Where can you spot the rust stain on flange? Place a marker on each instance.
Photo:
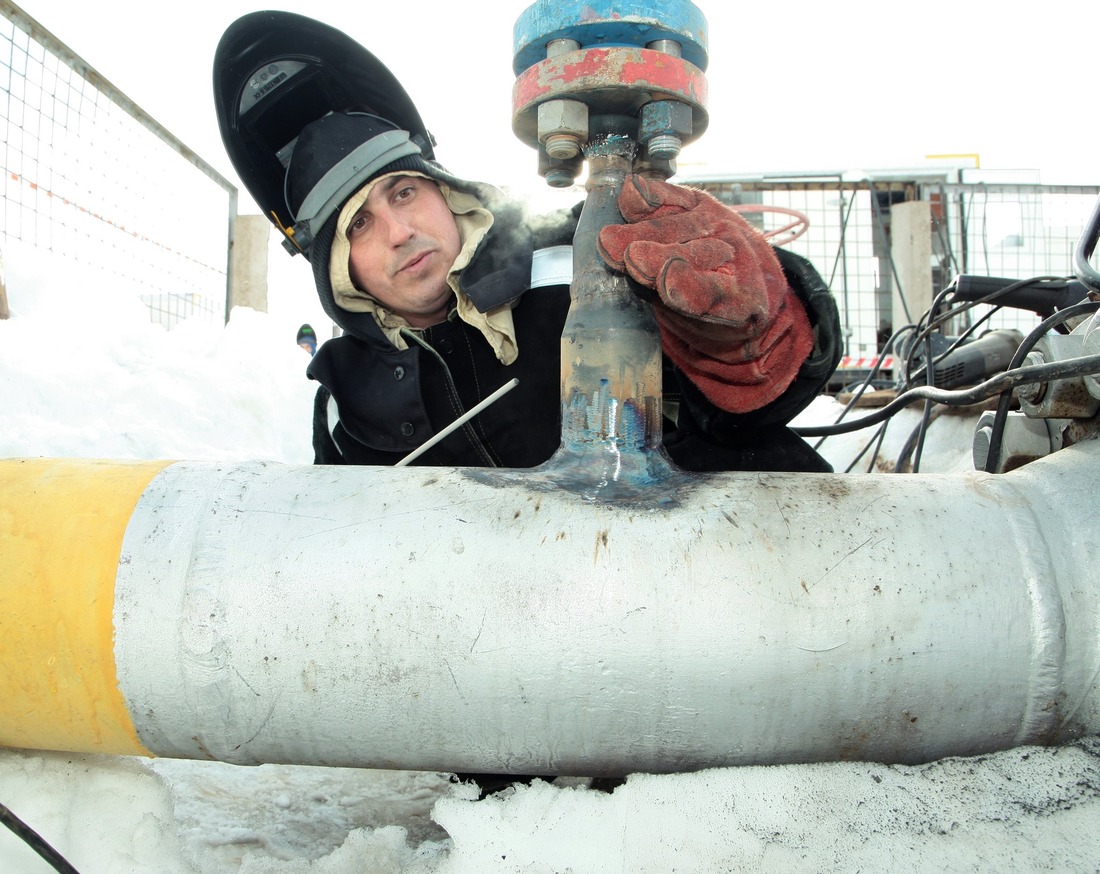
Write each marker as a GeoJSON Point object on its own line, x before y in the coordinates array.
{"type": "Point", "coordinates": [613, 79]}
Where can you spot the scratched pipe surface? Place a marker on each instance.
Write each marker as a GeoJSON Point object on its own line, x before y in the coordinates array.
{"type": "Point", "coordinates": [475, 621]}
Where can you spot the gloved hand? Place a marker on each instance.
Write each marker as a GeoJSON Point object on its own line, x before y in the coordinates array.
{"type": "Point", "coordinates": [727, 314]}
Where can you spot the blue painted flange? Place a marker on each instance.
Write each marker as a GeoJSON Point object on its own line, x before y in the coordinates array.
{"type": "Point", "coordinates": [595, 23]}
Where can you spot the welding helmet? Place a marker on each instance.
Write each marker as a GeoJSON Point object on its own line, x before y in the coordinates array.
{"type": "Point", "coordinates": [275, 73]}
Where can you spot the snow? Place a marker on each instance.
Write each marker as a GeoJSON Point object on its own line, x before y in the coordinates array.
{"type": "Point", "coordinates": [85, 375]}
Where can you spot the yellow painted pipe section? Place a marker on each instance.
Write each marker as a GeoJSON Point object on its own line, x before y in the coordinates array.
{"type": "Point", "coordinates": [61, 530]}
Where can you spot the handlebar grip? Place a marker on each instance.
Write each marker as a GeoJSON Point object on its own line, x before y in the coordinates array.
{"type": "Point", "coordinates": [1043, 297]}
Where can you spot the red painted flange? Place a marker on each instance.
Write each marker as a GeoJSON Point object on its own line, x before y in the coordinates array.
{"type": "Point", "coordinates": [615, 80]}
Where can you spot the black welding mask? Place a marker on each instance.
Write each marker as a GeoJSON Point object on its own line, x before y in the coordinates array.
{"type": "Point", "coordinates": [275, 73]}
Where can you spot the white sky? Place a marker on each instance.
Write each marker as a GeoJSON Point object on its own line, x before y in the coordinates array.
{"type": "Point", "coordinates": [794, 86]}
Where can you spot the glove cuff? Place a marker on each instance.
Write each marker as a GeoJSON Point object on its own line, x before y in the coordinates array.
{"type": "Point", "coordinates": [740, 377]}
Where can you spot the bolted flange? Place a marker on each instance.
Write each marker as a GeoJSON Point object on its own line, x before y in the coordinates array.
{"type": "Point", "coordinates": [611, 81]}
{"type": "Point", "coordinates": [575, 60]}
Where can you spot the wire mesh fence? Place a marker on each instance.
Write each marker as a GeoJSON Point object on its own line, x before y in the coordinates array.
{"type": "Point", "coordinates": [89, 178]}
{"type": "Point", "coordinates": [1017, 231]}
{"type": "Point", "coordinates": [94, 187]}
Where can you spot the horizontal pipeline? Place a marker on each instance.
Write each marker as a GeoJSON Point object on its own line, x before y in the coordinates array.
{"type": "Point", "coordinates": [475, 620]}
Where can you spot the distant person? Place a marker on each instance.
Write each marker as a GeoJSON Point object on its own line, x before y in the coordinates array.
{"type": "Point", "coordinates": [307, 339]}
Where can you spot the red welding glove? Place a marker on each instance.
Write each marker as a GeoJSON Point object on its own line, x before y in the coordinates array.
{"type": "Point", "coordinates": [728, 318]}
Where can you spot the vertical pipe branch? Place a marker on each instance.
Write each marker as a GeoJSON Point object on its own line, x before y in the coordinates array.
{"type": "Point", "coordinates": [610, 353]}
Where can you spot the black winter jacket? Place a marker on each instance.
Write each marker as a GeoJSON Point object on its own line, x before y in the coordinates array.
{"type": "Point", "coordinates": [376, 404]}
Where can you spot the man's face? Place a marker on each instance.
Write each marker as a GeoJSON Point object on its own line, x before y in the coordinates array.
{"type": "Point", "coordinates": [403, 242]}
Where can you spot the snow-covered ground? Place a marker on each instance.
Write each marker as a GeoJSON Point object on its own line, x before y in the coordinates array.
{"type": "Point", "coordinates": [82, 375]}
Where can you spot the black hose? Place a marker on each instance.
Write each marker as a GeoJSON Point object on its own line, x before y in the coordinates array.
{"type": "Point", "coordinates": [1085, 247]}
{"type": "Point", "coordinates": [1009, 379]}
{"type": "Point", "coordinates": [996, 436]}
{"type": "Point", "coordinates": [35, 841]}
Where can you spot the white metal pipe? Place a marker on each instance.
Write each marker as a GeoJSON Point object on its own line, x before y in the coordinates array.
{"type": "Point", "coordinates": [467, 620]}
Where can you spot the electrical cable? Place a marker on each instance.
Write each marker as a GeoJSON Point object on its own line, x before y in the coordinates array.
{"type": "Point", "coordinates": [929, 375]}
{"type": "Point", "coordinates": [867, 380]}
{"type": "Point", "coordinates": [36, 842]}
{"type": "Point", "coordinates": [840, 247]}
{"type": "Point", "coordinates": [840, 252]}
{"type": "Point", "coordinates": [878, 446]}
{"type": "Point", "coordinates": [956, 309]}
{"type": "Point", "coordinates": [925, 421]}
{"type": "Point", "coordinates": [966, 333]}
{"type": "Point", "coordinates": [929, 379]}
{"type": "Point", "coordinates": [935, 321]}
{"type": "Point", "coordinates": [879, 435]}
{"type": "Point", "coordinates": [1070, 367]}
{"type": "Point", "coordinates": [931, 320]}
{"type": "Point", "coordinates": [913, 441]}
{"type": "Point", "coordinates": [996, 436]}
